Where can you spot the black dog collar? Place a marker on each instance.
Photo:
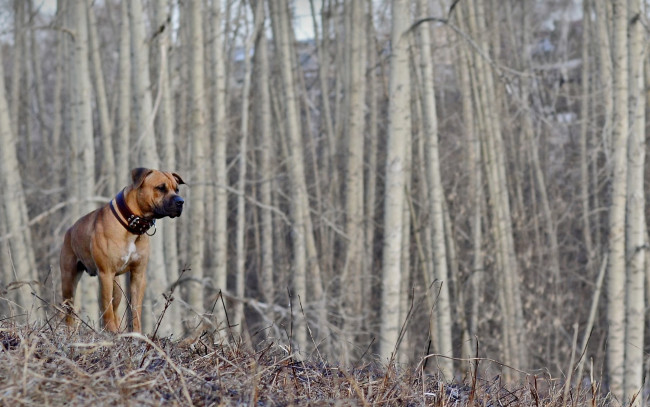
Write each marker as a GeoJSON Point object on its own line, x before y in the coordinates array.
{"type": "Point", "coordinates": [134, 224]}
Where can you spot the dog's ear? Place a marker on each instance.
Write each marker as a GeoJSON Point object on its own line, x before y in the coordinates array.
{"type": "Point", "coordinates": [178, 178]}
{"type": "Point", "coordinates": [138, 175]}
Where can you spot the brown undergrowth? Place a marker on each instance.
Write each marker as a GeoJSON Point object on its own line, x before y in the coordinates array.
{"type": "Point", "coordinates": [52, 366]}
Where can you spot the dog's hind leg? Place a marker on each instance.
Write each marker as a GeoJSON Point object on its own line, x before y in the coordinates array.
{"type": "Point", "coordinates": [70, 274]}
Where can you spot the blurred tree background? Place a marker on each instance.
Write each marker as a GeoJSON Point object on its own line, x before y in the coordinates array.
{"type": "Point", "coordinates": [365, 177]}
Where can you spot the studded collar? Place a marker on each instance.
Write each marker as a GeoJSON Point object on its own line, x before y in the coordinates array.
{"type": "Point", "coordinates": [134, 224]}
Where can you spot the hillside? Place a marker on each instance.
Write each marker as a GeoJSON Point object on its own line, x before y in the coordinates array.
{"type": "Point", "coordinates": [51, 366]}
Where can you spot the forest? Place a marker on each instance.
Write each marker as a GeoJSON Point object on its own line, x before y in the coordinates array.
{"type": "Point", "coordinates": [452, 185]}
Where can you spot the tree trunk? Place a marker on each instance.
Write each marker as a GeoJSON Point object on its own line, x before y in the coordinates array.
{"type": "Point", "coordinates": [124, 99]}
{"type": "Point", "coordinates": [280, 22]}
{"type": "Point", "coordinates": [262, 105]}
{"type": "Point", "coordinates": [240, 244]}
{"type": "Point", "coordinates": [323, 66]}
{"type": "Point", "coordinates": [168, 156]}
{"type": "Point", "coordinates": [436, 196]}
{"type": "Point", "coordinates": [617, 262]}
{"type": "Point", "coordinates": [35, 54]}
{"type": "Point", "coordinates": [372, 135]}
{"type": "Point", "coordinates": [354, 216]}
{"type": "Point", "coordinates": [584, 133]}
{"type": "Point", "coordinates": [13, 203]}
{"type": "Point", "coordinates": [57, 121]}
{"type": "Point", "coordinates": [105, 122]}
{"type": "Point", "coordinates": [606, 72]}
{"type": "Point", "coordinates": [199, 143]}
{"type": "Point", "coordinates": [145, 149]}
{"type": "Point", "coordinates": [84, 145]}
{"type": "Point", "coordinates": [494, 161]}
{"type": "Point", "coordinates": [219, 125]}
{"type": "Point", "coordinates": [302, 235]}
{"type": "Point", "coordinates": [475, 185]}
{"type": "Point", "coordinates": [399, 129]}
{"type": "Point", "coordinates": [635, 220]}
{"type": "Point", "coordinates": [16, 75]}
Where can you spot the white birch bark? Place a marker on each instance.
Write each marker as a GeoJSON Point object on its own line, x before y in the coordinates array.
{"type": "Point", "coordinates": [85, 142]}
{"type": "Point", "coordinates": [354, 216]}
{"type": "Point", "coordinates": [499, 204]}
{"type": "Point", "coordinates": [146, 155]}
{"type": "Point", "coordinates": [475, 184]}
{"type": "Point", "coordinates": [399, 128]}
{"type": "Point", "coordinates": [22, 268]}
{"type": "Point", "coordinates": [616, 238]}
{"type": "Point", "coordinates": [323, 66]}
{"type": "Point", "coordinates": [16, 74]}
{"type": "Point", "coordinates": [240, 244]}
{"type": "Point", "coordinates": [105, 122]}
{"type": "Point", "coordinates": [436, 196]}
{"type": "Point", "coordinates": [370, 197]}
{"type": "Point", "coordinates": [584, 128]}
{"type": "Point", "coordinates": [219, 125]}
{"type": "Point", "coordinates": [636, 244]}
{"type": "Point", "coordinates": [606, 72]}
{"type": "Point", "coordinates": [122, 158]}
{"type": "Point", "coordinates": [123, 125]}
{"type": "Point", "coordinates": [199, 149]}
{"type": "Point", "coordinates": [280, 22]}
{"type": "Point", "coordinates": [162, 25]}
{"type": "Point", "coordinates": [37, 70]}
{"type": "Point", "coordinates": [57, 121]}
{"type": "Point", "coordinates": [262, 105]}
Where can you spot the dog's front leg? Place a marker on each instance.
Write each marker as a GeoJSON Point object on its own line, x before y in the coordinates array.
{"type": "Point", "coordinates": [106, 300]}
{"type": "Point", "coordinates": [138, 284]}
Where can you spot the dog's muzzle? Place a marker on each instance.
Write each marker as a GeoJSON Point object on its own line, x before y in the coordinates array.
{"type": "Point", "coordinates": [172, 207]}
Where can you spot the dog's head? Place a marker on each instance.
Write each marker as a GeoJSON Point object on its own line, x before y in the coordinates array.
{"type": "Point", "coordinates": [157, 192]}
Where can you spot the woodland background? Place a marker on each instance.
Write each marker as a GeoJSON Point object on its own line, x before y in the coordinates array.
{"type": "Point", "coordinates": [393, 178]}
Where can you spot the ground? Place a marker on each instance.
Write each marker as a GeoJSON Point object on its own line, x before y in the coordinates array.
{"type": "Point", "coordinates": [52, 366]}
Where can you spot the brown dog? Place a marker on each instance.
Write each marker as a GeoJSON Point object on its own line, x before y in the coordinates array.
{"type": "Point", "coordinates": [112, 240]}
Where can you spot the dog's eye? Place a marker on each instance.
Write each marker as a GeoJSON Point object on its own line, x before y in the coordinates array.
{"type": "Point", "coordinates": [162, 187]}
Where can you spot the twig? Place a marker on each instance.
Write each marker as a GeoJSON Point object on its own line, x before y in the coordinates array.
{"type": "Point", "coordinates": [472, 392]}
{"type": "Point", "coordinates": [69, 310]}
{"type": "Point", "coordinates": [168, 300]}
{"type": "Point", "coordinates": [311, 336]}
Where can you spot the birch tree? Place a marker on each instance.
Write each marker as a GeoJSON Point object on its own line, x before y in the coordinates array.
{"type": "Point", "coordinates": [262, 104]}
{"type": "Point", "coordinates": [299, 200]}
{"type": "Point", "coordinates": [399, 128]}
{"type": "Point", "coordinates": [354, 194]}
{"type": "Point", "coordinates": [146, 154]}
{"type": "Point", "coordinates": [85, 143]}
{"type": "Point", "coordinates": [606, 72]}
{"type": "Point", "coordinates": [616, 238]}
{"type": "Point", "coordinates": [219, 126]}
{"type": "Point", "coordinates": [475, 181]}
{"type": "Point", "coordinates": [198, 140]}
{"type": "Point", "coordinates": [162, 20]}
{"type": "Point", "coordinates": [21, 260]}
{"type": "Point", "coordinates": [636, 230]}
{"type": "Point", "coordinates": [584, 129]}
{"type": "Point", "coordinates": [123, 116]}
{"type": "Point", "coordinates": [16, 75]}
{"type": "Point", "coordinates": [499, 204]}
{"type": "Point", "coordinates": [371, 180]}
{"type": "Point", "coordinates": [436, 196]}
{"type": "Point", "coordinates": [240, 244]}
{"type": "Point", "coordinates": [105, 122]}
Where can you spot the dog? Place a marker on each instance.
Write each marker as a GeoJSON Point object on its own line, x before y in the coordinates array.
{"type": "Point", "coordinates": [113, 240]}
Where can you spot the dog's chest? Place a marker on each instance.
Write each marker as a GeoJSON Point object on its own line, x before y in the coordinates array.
{"type": "Point", "coordinates": [129, 254]}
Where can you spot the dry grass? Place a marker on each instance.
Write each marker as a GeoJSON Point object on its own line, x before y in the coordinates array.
{"type": "Point", "coordinates": [51, 366]}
